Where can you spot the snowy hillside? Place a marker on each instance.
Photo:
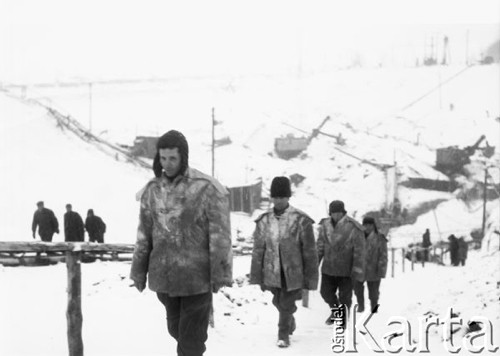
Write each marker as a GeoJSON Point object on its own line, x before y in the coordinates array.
{"type": "Point", "coordinates": [366, 106]}
{"type": "Point", "coordinates": [40, 161]}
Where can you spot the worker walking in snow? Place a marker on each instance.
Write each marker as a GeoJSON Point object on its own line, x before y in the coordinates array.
{"type": "Point", "coordinates": [73, 225]}
{"type": "Point", "coordinates": [46, 222]}
{"type": "Point", "coordinates": [341, 247]}
{"type": "Point", "coordinates": [376, 265]}
{"type": "Point", "coordinates": [95, 227]}
{"type": "Point", "coordinates": [284, 258]}
{"type": "Point", "coordinates": [183, 242]}
{"type": "Point", "coordinates": [463, 248]}
{"type": "Point", "coordinates": [453, 250]}
{"type": "Point", "coordinates": [426, 244]}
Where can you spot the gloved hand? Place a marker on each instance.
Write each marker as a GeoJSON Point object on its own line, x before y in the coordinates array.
{"type": "Point", "coordinates": [263, 287]}
{"type": "Point", "coordinates": [216, 287]}
{"type": "Point", "coordinates": [140, 286]}
{"type": "Point", "coordinates": [34, 235]}
{"type": "Point", "coordinates": [57, 231]}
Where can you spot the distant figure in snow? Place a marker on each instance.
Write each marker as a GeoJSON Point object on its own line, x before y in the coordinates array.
{"type": "Point", "coordinates": [95, 227]}
{"type": "Point", "coordinates": [183, 248]}
{"type": "Point", "coordinates": [341, 247]}
{"type": "Point", "coordinates": [463, 248]}
{"type": "Point", "coordinates": [376, 265]}
{"type": "Point", "coordinates": [46, 221]}
{"type": "Point", "coordinates": [284, 257]}
{"type": "Point", "coordinates": [426, 243]}
{"type": "Point", "coordinates": [453, 250]}
{"type": "Point", "coordinates": [73, 225]}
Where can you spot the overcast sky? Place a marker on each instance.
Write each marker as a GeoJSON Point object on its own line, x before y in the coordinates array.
{"type": "Point", "coordinates": [66, 40]}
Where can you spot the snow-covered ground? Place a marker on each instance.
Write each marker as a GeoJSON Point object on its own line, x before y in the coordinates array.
{"type": "Point", "coordinates": [118, 320]}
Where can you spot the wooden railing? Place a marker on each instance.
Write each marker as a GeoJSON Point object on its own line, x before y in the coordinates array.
{"type": "Point", "coordinates": [73, 256]}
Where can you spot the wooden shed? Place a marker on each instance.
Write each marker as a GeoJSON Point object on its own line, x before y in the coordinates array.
{"type": "Point", "coordinates": [245, 198]}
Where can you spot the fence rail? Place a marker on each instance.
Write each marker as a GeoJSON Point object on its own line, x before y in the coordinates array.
{"type": "Point", "coordinates": [74, 252]}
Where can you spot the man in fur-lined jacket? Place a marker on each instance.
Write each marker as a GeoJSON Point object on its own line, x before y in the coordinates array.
{"type": "Point", "coordinates": [376, 265]}
{"type": "Point", "coordinates": [341, 246]}
{"type": "Point", "coordinates": [284, 258]}
{"type": "Point", "coordinates": [183, 242]}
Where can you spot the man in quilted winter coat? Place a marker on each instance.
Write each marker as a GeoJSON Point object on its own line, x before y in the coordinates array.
{"type": "Point", "coordinates": [341, 246]}
{"type": "Point", "coordinates": [183, 242]}
{"type": "Point", "coordinates": [284, 257]}
{"type": "Point", "coordinates": [376, 265]}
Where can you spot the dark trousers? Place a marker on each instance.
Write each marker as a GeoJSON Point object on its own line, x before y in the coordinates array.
{"type": "Point", "coordinates": [284, 301]}
{"type": "Point", "coordinates": [187, 321]}
{"type": "Point", "coordinates": [373, 293]}
{"type": "Point", "coordinates": [329, 287]}
{"type": "Point", "coordinates": [96, 238]}
{"type": "Point", "coordinates": [46, 236]}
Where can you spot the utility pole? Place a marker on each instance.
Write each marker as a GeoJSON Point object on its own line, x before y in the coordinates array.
{"type": "Point", "coordinates": [484, 201]}
{"type": "Point", "coordinates": [213, 142]}
{"type": "Point", "coordinates": [90, 107]}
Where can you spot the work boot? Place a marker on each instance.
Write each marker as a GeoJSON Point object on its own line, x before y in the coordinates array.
{"type": "Point", "coordinates": [338, 313]}
{"type": "Point", "coordinates": [284, 327]}
{"type": "Point", "coordinates": [283, 343]}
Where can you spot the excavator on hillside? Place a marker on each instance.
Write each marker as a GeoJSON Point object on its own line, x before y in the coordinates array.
{"type": "Point", "coordinates": [291, 146]}
{"type": "Point", "coordinates": [452, 159]}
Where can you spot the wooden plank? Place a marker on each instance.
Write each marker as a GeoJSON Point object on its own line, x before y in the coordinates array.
{"type": "Point", "coordinates": [38, 246]}
{"type": "Point", "coordinates": [74, 312]}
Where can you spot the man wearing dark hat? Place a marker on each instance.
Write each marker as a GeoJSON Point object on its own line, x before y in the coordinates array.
{"type": "Point", "coordinates": [284, 257]}
{"type": "Point", "coordinates": [73, 225]}
{"type": "Point", "coordinates": [95, 227]}
{"type": "Point", "coordinates": [183, 242]}
{"type": "Point", "coordinates": [46, 221]}
{"type": "Point", "coordinates": [376, 265]}
{"type": "Point", "coordinates": [341, 246]}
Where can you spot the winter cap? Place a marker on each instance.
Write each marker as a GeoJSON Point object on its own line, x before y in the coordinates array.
{"type": "Point", "coordinates": [40, 203]}
{"type": "Point", "coordinates": [172, 139]}
{"type": "Point", "coordinates": [280, 188]}
{"type": "Point", "coordinates": [368, 220]}
{"type": "Point", "coordinates": [336, 206]}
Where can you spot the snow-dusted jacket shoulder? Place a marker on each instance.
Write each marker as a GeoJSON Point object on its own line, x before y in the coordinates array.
{"type": "Point", "coordinates": [184, 236]}
{"type": "Point", "coordinates": [284, 242]}
{"type": "Point", "coordinates": [342, 248]}
{"type": "Point", "coordinates": [376, 257]}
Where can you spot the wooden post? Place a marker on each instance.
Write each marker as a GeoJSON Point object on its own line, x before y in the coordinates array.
{"type": "Point", "coordinates": [403, 253]}
{"type": "Point", "coordinates": [305, 298]}
{"type": "Point", "coordinates": [74, 311]}
{"type": "Point", "coordinates": [392, 262]}
{"type": "Point", "coordinates": [412, 258]}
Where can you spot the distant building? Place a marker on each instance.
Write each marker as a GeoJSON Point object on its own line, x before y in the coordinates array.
{"type": "Point", "coordinates": [144, 146]}
{"type": "Point", "coordinates": [290, 146]}
{"type": "Point", "coordinates": [245, 198]}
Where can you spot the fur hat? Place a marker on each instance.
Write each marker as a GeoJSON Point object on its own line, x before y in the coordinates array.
{"type": "Point", "coordinates": [336, 206]}
{"type": "Point", "coordinates": [280, 188]}
{"type": "Point", "coordinates": [368, 220]}
{"type": "Point", "coordinates": [172, 139]}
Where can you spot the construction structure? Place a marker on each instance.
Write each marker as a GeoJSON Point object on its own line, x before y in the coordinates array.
{"type": "Point", "coordinates": [452, 159]}
{"type": "Point", "coordinates": [291, 146]}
